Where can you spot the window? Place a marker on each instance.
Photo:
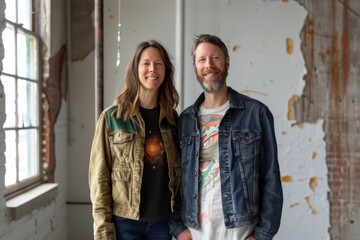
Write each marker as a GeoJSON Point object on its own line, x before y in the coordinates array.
{"type": "Point", "coordinates": [22, 84]}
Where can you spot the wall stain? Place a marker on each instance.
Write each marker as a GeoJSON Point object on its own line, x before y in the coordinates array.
{"type": "Point", "coordinates": [236, 48]}
{"type": "Point", "coordinates": [291, 109]}
{"type": "Point", "coordinates": [313, 155]}
{"type": "Point", "coordinates": [289, 42]}
{"type": "Point", "coordinates": [286, 179]}
{"type": "Point", "coordinates": [294, 205]}
{"type": "Point", "coordinates": [308, 202]}
{"type": "Point", "coordinates": [248, 91]}
{"type": "Point", "coordinates": [313, 183]}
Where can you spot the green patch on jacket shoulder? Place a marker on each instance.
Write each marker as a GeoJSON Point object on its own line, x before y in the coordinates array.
{"type": "Point", "coordinates": [116, 124]}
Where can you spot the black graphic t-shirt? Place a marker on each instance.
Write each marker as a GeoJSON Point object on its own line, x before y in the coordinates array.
{"type": "Point", "coordinates": [155, 193]}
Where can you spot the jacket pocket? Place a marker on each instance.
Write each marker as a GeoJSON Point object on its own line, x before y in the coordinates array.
{"type": "Point", "coordinates": [185, 143]}
{"type": "Point", "coordinates": [121, 175]}
{"type": "Point", "coordinates": [120, 144]}
{"type": "Point", "coordinates": [246, 144]}
{"type": "Point", "coordinates": [121, 182]}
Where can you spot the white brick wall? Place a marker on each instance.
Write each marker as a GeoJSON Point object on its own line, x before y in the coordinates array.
{"type": "Point", "coordinates": [50, 221]}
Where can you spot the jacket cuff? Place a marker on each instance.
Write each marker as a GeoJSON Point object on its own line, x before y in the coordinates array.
{"type": "Point", "coordinates": [260, 234]}
{"type": "Point", "coordinates": [176, 230]}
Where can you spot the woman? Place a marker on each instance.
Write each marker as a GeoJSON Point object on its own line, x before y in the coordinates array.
{"type": "Point", "coordinates": [134, 163]}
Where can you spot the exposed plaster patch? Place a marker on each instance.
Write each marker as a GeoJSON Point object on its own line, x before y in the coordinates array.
{"type": "Point", "coordinates": [82, 29]}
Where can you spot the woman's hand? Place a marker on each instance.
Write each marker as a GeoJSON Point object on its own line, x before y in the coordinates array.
{"type": "Point", "coordinates": [185, 235]}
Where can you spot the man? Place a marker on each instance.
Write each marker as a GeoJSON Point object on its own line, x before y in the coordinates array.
{"type": "Point", "coordinates": [230, 183]}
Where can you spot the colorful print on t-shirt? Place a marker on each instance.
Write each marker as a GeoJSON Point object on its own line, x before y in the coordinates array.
{"type": "Point", "coordinates": [209, 152]}
{"type": "Point", "coordinates": [154, 149]}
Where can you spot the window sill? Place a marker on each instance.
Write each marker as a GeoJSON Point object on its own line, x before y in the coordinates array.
{"type": "Point", "coordinates": [35, 198]}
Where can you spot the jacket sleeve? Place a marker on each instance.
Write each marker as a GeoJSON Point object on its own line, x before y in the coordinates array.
{"type": "Point", "coordinates": [175, 223]}
{"type": "Point", "coordinates": [270, 189]}
{"type": "Point", "coordinates": [100, 182]}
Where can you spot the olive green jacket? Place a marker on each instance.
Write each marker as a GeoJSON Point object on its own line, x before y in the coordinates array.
{"type": "Point", "coordinates": [116, 168]}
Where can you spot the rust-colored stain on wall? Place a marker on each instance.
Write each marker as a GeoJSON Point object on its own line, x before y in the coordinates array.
{"type": "Point", "coordinates": [289, 45]}
{"type": "Point", "coordinates": [313, 155]}
{"type": "Point", "coordinates": [286, 179]}
{"type": "Point", "coordinates": [294, 205]}
{"type": "Point", "coordinates": [248, 91]}
{"type": "Point", "coordinates": [236, 48]}
{"type": "Point", "coordinates": [313, 183]}
{"type": "Point", "coordinates": [291, 109]}
{"type": "Point", "coordinates": [308, 202]}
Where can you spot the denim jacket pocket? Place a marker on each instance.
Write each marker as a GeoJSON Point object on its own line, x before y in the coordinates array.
{"type": "Point", "coordinates": [185, 143]}
{"type": "Point", "coordinates": [246, 144]}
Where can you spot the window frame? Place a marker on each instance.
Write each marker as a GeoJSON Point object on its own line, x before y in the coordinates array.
{"type": "Point", "coordinates": [31, 182]}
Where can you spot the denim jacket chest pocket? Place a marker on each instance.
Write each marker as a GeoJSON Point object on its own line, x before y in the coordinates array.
{"type": "Point", "coordinates": [185, 147]}
{"type": "Point", "coordinates": [121, 144]}
{"type": "Point", "coordinates": [246, 144]}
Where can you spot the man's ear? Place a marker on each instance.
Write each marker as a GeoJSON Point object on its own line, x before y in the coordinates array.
{"type": "Point", "coordinates": [228, 63]}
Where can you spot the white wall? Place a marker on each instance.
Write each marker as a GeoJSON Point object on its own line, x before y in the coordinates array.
{"type": "Point", "coordinates": [255, 32]}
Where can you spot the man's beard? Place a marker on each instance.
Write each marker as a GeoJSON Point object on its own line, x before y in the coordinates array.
{"type": "Point", "coordinates": [214, 87]}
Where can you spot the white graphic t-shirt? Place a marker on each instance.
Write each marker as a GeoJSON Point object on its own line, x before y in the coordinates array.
{"type": "Point", "coordinates": [212, 226]}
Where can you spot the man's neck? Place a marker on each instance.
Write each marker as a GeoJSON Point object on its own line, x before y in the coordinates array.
{"type": "Point", "coordinates": [214, 100]}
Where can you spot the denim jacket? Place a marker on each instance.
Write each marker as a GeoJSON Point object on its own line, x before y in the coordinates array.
{"type": "Point", "coordinates": [116, 167]}
{"type": "Point", "coordinates": [251, 190]}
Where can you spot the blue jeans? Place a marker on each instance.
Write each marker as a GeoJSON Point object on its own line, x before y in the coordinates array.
{"type": "Point", "coordinates": [128, 229]}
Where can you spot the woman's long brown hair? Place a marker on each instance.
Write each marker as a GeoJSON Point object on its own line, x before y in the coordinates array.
{"type": "Point", "coordinates": [128, 100]}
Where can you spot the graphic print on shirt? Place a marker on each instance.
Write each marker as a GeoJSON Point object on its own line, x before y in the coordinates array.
{"type": "Point", "coordinates": [209, 153]}
{"type": "Point", "coordinates": [154, 149]}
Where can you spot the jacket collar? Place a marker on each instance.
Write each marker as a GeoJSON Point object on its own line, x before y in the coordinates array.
{"type": "Point", "coordinates": [236, 100]}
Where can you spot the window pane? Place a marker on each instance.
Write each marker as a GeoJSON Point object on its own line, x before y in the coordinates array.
{"type": "Point", "coordinates": [25, 12]}
{"type": "Point", "coordinates": [8, 36]}
{"type": "Point", "coordinates": [10, 101]}
{"type": "Point", "coordinates": [28, 153]}
{"type": "Point", "coordinates": [28, 104]}
{"type": "Point", "coordinates": [10, 154]}
{"type": "Point", "coordinates": [27, 59]}
{"type": "Point", "coordinates": [10, 10]}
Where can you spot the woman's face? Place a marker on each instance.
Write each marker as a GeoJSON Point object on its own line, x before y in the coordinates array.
{"type": "Point", "coordinates": [151, 69]}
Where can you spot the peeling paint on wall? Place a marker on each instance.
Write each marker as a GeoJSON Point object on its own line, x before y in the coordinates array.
{"type": "Point", "coordinates": [82, 29]}
{"type": "Point", "coordinates": [330, 45]}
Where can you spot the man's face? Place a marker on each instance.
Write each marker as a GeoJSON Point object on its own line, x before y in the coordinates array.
{"type": "Point", "coordinates": [211, 67]}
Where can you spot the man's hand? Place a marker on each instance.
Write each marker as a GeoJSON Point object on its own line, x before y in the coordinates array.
{"type": "Point", "coordinates": [185, 235]}
{"type": "Point", "coordinates": [250, 238]}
